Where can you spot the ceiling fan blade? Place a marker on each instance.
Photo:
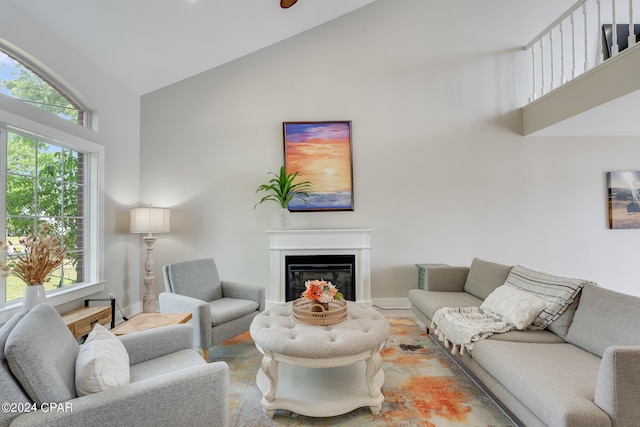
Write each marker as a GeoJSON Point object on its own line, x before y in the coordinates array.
{"type": "Point", "coordinates": [285, 4]}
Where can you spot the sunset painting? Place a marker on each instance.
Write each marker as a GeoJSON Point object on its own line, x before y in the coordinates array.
{"type": "Point", "coordinates": [321, 153]}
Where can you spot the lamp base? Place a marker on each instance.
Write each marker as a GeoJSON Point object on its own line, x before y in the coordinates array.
{"type": "Point", "coordinates": [149, 299]}
{"type": "Point", "coordinates": [149, 303]}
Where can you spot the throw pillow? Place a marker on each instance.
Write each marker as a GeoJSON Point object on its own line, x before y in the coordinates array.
{"type": "Point", "coordinates": [517, 307]}
{"type": "Point", "coordinates": [558, 291]}
{"type": "Point", "coordinates": [102, 363]}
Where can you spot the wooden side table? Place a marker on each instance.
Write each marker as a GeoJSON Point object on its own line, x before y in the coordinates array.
{"type": "Point", "coordinates": [144, 321]}
{"type": "Point", "coordinates": [81, 321]}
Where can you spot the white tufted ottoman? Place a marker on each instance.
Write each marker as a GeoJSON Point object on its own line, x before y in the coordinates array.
{"type": "Point", "coordinates": [348, 354]}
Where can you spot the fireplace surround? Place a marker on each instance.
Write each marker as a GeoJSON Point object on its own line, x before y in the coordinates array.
{"type": "Point", "coordinates": [336, 242]}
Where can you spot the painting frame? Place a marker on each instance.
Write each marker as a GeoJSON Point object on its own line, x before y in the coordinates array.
{"type": "Point", "coordinates": [624, 199]}
{"type": "Point", "coordinates": [322, 153]}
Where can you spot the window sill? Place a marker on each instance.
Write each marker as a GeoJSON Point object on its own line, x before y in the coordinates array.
{"type": "Point", "coordinates": [57, 297]}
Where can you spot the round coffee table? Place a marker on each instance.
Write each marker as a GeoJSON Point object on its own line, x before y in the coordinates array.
{"type": "Point", "coordinates": [320, 371]}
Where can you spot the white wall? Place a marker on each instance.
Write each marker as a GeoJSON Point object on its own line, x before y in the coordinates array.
{"type": "Point", "coordinates": [440, 171]}
{"type": "Point", "coordinates": [118, 131]}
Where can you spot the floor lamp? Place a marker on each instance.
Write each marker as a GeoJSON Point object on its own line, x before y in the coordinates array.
{"type": "Point", "coordinates": [149, 220]}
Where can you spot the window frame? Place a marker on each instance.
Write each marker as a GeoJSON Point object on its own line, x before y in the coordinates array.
{"type": "Point", "coordinates": [29, 125]}
{"type": "Point", "coordinates": [53, 80]}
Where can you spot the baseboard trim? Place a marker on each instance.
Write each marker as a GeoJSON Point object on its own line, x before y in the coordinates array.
{"type": "Point", "coordinates": [391, 303]}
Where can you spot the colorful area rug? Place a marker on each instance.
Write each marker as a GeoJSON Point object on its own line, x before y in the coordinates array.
{"type": "Point", "coordinates": [422, 387]}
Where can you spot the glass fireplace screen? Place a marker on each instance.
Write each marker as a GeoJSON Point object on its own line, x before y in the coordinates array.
{"type": "Point", "coordinates": [337, 269]}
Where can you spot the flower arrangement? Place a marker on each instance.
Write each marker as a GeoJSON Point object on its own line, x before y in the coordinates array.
{"type": "Point", "coordinates": [321, 291]}
{"type": "Point", "coordinates": [42, 254]}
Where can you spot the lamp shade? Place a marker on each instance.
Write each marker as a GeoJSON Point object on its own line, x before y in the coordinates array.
{"type": "Point", "coordinates": [150, 220]}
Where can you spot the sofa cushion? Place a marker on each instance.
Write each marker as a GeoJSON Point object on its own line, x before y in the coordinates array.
{"type": "Point", "coordinates": [558, 291]}
{"type": "Point", "coordinates": [43, 358]}
{"type": "Point", "coordinates": [195, 278]}
{"type": "Point", "coordinates": [10, 389]}
{"type": "Point", "coordinates": [484, 277]}
{"type": "Point", "coordinates": [427, 302]}
{"type": "Point", "coordinates": [530, 336]}
{"type": "Point", "coordinates": [556, 382]}
{"type": "Point", "coordinates": [518, 307]}
{"type": "Point", "coordinates": [605, 318]}
{"type": "Point", "coordinates": [102, 363]}
{"type": "Point", "coordinates": [561, 325]}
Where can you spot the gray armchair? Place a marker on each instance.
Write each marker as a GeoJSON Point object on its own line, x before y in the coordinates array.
{"type": "Point", "coordinates": [170, 383]}
{"type": "Point", "coordinates": [220, 309]}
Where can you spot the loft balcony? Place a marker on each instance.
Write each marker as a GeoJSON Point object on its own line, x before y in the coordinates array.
{"type": "Point", "coordinates": [584, 77]}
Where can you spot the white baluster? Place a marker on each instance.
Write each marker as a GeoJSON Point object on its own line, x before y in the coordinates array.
{"type": "Point", "coordinates": [573, 47]}
{"type": "Point", "coordinates": [552, 83]}
{"type": "Point", "coordinates": [632, 36]}
{"type": "Point", "coordinates": [586, 36]}
{"type": "Point", "coordinates": [563, 77]}
{"type": "Point", "coordinates": [599, 56]}
{"type": "Point", "coordinates": [542, 67]}
{"type": "Point", "coordinates": [614, 30]}
{"type": "Point", "coordinates": [533, 62]}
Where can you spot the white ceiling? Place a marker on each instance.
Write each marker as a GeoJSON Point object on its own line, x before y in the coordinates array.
{"type": "Point", "coordinates": [149, 44]}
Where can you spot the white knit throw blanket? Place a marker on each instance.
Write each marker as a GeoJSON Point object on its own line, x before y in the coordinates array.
{"type": "Point", "coordinates": [463, 326]}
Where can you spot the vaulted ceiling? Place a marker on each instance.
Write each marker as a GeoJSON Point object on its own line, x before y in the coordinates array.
{"type": "Point", "coordinates": [148, 44]}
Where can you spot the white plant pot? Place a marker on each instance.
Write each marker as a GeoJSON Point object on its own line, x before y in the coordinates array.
{"type": "Point", "coordinates": [284, 218]}
{"type": "Point", "coordinates": [33, 295]}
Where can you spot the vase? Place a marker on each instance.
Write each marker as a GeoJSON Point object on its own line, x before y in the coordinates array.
{"type": "Point", "coordinates": [33, 295]}
{"type": "Point", "coordinates": [284, 218]}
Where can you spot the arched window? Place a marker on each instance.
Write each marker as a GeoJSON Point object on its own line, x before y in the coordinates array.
{"type": "Point", "coordinates": [22, 81]}
{"type": "Point", "coordinates": [47, 176]}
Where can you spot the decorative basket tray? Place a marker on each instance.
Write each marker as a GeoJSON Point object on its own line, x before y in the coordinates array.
{"type": "Point", "coordinates": [314, 313]}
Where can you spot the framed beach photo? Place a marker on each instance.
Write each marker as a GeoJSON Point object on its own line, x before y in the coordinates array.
{"type": "Point", "coordinates": [624, 199]}
{"type": "Point", "coordinates": [321, 153]}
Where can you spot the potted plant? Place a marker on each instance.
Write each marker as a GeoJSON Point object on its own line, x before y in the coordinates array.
{"type": "Point", "coordinates": [281, 189]}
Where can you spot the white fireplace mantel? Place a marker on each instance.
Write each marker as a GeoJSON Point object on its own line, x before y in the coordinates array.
{"type": "Point", "coordinates": [284, 243]}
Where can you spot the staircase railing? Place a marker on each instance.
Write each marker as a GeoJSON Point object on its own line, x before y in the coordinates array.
{"type": "Point", "coordinates": [580, 40]}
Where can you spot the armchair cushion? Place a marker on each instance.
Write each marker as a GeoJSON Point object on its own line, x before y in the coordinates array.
{"type": "Point", "coordinates": [244, 291]}
{"type": "Point", "coordinates": [196, 278]}
{"type": "Point", "coordinates": [46, 375]}
{"type": "Point", "coordinates": [224, 310]}
{"type": "Point", "coordinates": [168, 363]}
{"type": "Point", "coordinates": [102, 363]}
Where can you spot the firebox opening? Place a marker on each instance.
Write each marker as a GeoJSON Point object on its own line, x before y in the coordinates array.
{"type": "Point", "coordinates": [337, 269]}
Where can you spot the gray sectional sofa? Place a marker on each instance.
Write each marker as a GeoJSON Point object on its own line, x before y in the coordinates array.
{"type": "Point", "coordinates": [582, 370]}
{"type": "Point", "coordinates": [170, 383]}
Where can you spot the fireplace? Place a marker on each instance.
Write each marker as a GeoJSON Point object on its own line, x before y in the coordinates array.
{"type": "Point", "coordinates": [337, 269]}
{"type": "Point", "coordinates": [284, 244]}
